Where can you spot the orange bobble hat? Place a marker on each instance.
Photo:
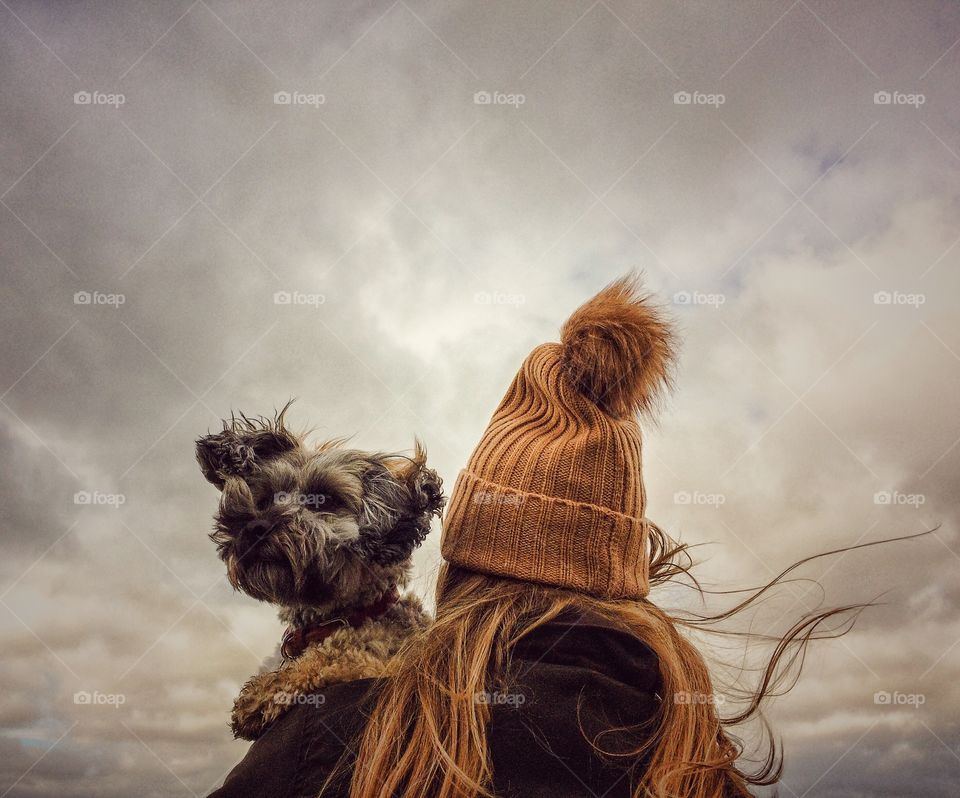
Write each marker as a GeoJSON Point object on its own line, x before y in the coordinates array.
{"type": "Point", "coordinates": [553, 493]}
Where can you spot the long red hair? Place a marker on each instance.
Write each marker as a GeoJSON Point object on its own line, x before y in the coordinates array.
{"type": "Point", "coordinates": [427, 735]}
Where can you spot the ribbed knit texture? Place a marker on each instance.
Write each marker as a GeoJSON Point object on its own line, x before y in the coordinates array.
{"type": "Point", "coordinates": [553, 492]}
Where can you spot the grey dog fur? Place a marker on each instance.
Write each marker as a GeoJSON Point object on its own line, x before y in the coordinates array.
{"type": "Point", "coordinates": [317, 530]}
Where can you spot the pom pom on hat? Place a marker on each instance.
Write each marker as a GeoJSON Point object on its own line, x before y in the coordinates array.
{"type": "Point", "coordinates": [618, 349]}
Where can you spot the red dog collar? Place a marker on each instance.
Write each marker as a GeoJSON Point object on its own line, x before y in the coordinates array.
{"type": "Point", "coordinates": [296, 639]}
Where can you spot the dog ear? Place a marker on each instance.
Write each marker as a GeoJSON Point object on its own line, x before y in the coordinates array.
{"type": "Point", "coordinates": [426, 488]}
{"type": "Point", "coordinates": [423, 483]}
{"type": "Point", "coordinates": [237, 452]}
{"type": "Point", "coordinates": [398, 502]}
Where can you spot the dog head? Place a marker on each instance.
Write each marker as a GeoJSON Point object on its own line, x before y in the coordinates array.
{"type": "Point", "coordinates": [314, 525]}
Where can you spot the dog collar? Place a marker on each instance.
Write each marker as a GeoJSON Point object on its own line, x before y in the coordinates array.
{"type": "Point", "coordinates": [297, 638]}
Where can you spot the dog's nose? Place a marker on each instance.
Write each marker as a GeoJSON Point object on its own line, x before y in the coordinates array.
{"type": "Point", "coordinates": [256, 529]}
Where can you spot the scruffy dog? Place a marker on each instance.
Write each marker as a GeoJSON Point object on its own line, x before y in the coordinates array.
{"type": "Point", "coordinates": [326, 533]}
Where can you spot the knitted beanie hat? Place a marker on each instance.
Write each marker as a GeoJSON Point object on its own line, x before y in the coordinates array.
{"type": "Point", "coordinates": [553, 493]}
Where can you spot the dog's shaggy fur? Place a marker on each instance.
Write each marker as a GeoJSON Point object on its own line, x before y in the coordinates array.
{"type": "Point", "coordinates": [346, 655]}
{"type": "Point", "coordinates": [320, 531]}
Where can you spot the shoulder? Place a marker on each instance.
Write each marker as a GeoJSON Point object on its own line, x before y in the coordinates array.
{"type": "Point", "coordinates": [577, 681]}
{"type": "Point", "coordinates": [300, 749]}
{"type": "Point", "coordinates": [586, 641]}
{"type": "Point", "coordinates": [334, 718]}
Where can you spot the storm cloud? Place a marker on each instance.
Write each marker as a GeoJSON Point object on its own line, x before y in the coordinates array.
{"type": "Point", "coordinates": [379, 208]}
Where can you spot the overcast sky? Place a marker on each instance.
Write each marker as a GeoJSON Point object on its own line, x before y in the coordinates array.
{"type": "Point", "coordinates": [446, 182]}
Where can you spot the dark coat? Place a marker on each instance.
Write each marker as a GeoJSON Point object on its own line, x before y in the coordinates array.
{"type": "Point", "coordinates": [579, 672]}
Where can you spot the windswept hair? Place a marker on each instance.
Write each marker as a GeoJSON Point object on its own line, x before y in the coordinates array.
{"type": "Point", "coordinates": [426, 737]}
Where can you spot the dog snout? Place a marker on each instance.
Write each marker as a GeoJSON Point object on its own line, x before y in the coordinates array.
{"type": "Point", "coordinates": [251, 534]}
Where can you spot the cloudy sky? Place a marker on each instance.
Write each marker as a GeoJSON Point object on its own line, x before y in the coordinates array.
{"type": "Point", "coordinates": [380, 208]}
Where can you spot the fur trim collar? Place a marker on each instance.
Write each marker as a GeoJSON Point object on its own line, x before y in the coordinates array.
{"type": "Point", "coordinates": [348, 653]}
